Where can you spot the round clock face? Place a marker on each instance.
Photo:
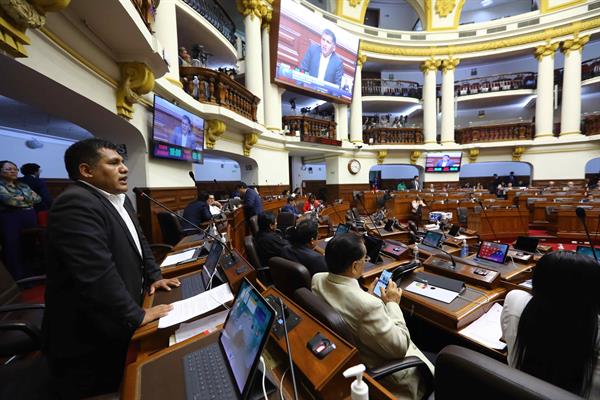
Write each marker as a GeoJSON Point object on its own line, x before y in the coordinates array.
{"type": "Point", "coordinates": [354, 166]}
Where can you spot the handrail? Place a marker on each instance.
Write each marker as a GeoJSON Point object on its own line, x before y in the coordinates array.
{"type": "Point", "coordinates": [376, 136]}
{"type": "Point", "coordinates": [214, 13]}
{"type": "Point", "coordinates": [495, 133]}
{"type": "Point", "coordinates": [590, 68]}
{"type": "Point", "coordinates": [495, 83]}
{"type": "Point", "coordinates": [391, 87]}
{"type": "Point", "coordinates": [591, 125]}
{"type": "Point", "coordinates": [312, 129]}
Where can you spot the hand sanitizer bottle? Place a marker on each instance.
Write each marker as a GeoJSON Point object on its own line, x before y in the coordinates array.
{"type": "Point", "coordinates": [359, 389]}
{"type": "Point", "coordinates": [464, 251]}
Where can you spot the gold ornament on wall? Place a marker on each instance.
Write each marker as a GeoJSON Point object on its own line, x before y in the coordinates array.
{"type": "Point", "coordinates": [250, 140]}
{"type": "Point", "coordinates": [517, 153]}
{"type": "Point", "coordinates": [136, 80]}
{"type": "Point", "coordinates": [576, 43]}
{"type": "Point", "coordinates": [267, 15]}
{"type": "Point", "coordinates": [381, 155]}
{"type": "Point", "coordinates": [362, 58]}
{"type": "Point", "coordinates": [444, 7]}
{"type": "Point", "coordinates": [354, 3]}
{"type": "Point", "coordinates": [414, 156]}
{"type": "Point", "coordinates": [214, 129]}
{"type": "Point", "coordinates": [473, 154]}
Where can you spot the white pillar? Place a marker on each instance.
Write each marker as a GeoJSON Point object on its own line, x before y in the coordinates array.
{"type": "Point", "coordinates": [429, 69]}
{"type": "Point", "coordinates": [341, 119]}
{"type": "Point", "coordinates": [544, 106]}
{"type": "Point", "coordinates": [165, 29]}
{"type": "Point", "coordinates": [272, 99]}
{"type": "Point", "coordinates": [570, 115]}
{"type": "Point", "coordinates": [254, 69]}
{"type": "Point", "coordinates": [448, 67]}
{"type": "Point", "coordinates": [356, 133]}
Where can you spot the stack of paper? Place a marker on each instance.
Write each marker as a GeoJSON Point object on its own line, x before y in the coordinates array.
{"type": "Point", "coordinates": [202, 326]}
{"type": "Point", "coordinates": [487, 330]}
{"type": "Point", "coordinates": [178, 258]}
{"type": "Point", "coordinates": [197, 305]}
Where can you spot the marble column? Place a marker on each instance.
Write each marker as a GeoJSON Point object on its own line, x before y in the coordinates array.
{"type": "Point", "coordinates": [429, 68]}
{"type": "Point", "coordinates": [570, 115]}
{"type": "Point", "coordinates": [356, 133]}
{"type": "Point", "coordinates": [341, 120]}
{"type": "Point", "coordinates": [272, 97]}
{"type": "Point", "coordinates": [165, 30]}
{"type": "Point", "coordinates": [448, 68]}
{"type": "Point", "coordinates": [544, 106]}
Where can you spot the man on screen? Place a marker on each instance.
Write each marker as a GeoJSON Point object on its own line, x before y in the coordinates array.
{"type": "Point", "coordinates": [322, 62]}
{"type": "Point", "coordinates": [445, 162]}
{"type": "Point", "coordinates": [183, 135]}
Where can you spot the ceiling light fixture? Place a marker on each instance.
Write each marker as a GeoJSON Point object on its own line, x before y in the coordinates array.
{"type": "Point", "coordinates": [485, 3]}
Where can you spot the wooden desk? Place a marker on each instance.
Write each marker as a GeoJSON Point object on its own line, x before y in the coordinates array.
{"type": "Point", "coordinates": [336, 213]}
{"type": "Point", "coordinates": [511, 271]}
{"type": "Point", "coordinates": [395, 234]}
{"type": "Point", "coordinates": [189, 241]}
{"type": "Point", "coordinates": [499, 223]}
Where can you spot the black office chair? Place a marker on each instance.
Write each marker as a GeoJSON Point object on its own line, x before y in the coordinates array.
{"type": "Point", "coordinates": [253, 224]}
{"type": "Point", "coordinates": [462, 214]}
{"type": "Point", "coordinates": [170, 228]}
{"type": "Point", "coordinates": [285, 220]}
{"type": "Point", "coordinates": [288, 275]}
{"type": "Point", "coordinates": [27, 378]}
{"type": "Point", "coordinates": [319, 308]}
{"type": "Point", "coordinates": [264, 273]}
{"type": "Point", "coordinates": [466, 374]}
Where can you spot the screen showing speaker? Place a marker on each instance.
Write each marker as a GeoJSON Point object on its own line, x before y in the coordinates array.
{"type": "Point", "coordinates": [443, 161]}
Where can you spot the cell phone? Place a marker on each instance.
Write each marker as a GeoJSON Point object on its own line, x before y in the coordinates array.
{"type": "Point", "coordinates": [383, 280]}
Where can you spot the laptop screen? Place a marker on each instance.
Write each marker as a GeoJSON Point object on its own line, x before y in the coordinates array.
{"type": "Point", "coordinates": [587, 251]}
{"type": "Point", "coordinates": [454, 230]}
{"type": "Point", "coordinates": [245, 333]}
{"type": "Point", "coordinates": [342, 228]}
{"type": "Point", "coordinates": [432, 239]}
{"type": "Point", "coordinates": [495, 252]}
{"type": "Point", "coordinates": [373, 246]}
{"type": "Point", "coordinates": [525, 243]}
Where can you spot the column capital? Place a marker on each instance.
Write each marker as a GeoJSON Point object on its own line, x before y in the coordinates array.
{"type": "Point", "coordinates": [362, 58]}
{"type": "Point", "coordinates": [576, 43]}
{"type": "Point", "coordinates": [545, 50]}
{"type": "Point", "coordinates": [137, 79]}
{"type": "Point", "coordinates": [251, 7]}
{"type": "Point", "coordinates": [450, 64]}
{"type": "Point", "coordinates": [430, 65]}
{"type": "Point", "coordinates": [267, 14]}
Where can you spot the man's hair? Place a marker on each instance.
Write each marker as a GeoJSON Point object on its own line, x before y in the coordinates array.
{"type": "Point", "coordinates": [290, 199]}
{"type": "Point", "coordinates": [416, 176]}
{"type": "Point", "coordinates": [29, 168]}
{"type": "Point", "coordinates": [186, 117]}
{"type": "Point", "coordinates": [203, 195]}
{"type": "Point", "coordinates": [343, 250]}
{"type": "Point", "coordinates": [305, 231]}
{"type": "Point", "coordinates": [446, 155]}
{"type": "Point", "coordinates": [85, 151]}
{"type": "Point", "coordinates": [242, 185]}
{"type": "Point", "coordinates": [329, 33]}
{"type": "Point", "coordinates": [265, 220]}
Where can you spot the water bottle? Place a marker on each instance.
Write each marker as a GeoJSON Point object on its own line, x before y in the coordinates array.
{"type": "Point", "coordinates": [416, 253]}
{"type": "Point", "coordinates": [464, 251]}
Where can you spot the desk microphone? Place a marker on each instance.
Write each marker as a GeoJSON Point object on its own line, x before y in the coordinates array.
{"type": "Point", "coordinates": [191, 174]}
{"type": "Point", "coordinates": [449, 255]}
{"type": "Point", "coordinates": [231, 257]}
{"type": "Point", "coordinates": [580, 211]}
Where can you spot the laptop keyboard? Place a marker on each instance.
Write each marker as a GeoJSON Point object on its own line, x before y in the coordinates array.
{"type": "Point", "coordinates": [206, 375]}
{"type": "Point", "coordinates": [191, 286]}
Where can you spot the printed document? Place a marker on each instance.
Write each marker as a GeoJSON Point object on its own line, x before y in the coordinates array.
{"type": "Point", "coordinates": [197, 305]}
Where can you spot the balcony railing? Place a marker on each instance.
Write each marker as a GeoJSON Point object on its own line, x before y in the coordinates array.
{"type": "Point", "coordinates": [312, 130]}
{"type": "Point", "coordinates": [590, 68]}
{"type": "Point", "coordinates": [496, 83]}
{"type": "Point", "coordinates": [213, 87]}
{"type": "Point", "coordinates": [391, 87]}
{"type": "Point", "coordinates": [591, 125]}
{"type": "Point", "coordinates": [212, 11]}
{"type": "Point", "coordinates": [494, 133]}
{"type": "Point", "coordinates": [393, 136]}
{"type": "Point", "coordinates": [147, 10]}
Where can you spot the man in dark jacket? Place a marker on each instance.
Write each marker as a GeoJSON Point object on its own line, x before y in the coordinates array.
{"type": "Point", "coordinates": [198, 211]}
{"type": "Point", "coordinates": [251, 200]}
{"type": "Point", "coordinates": [268, 242]}
{"type": "Point", "coordinates": [31, 177]}
{"type": "Point", "coordinates": [301, 249]}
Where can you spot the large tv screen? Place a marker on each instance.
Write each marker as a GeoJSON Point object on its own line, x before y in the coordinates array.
{"type": "Point", "coordinates": [312, 53]}
{"type": "Point", "coordinates": [177, 134]}
{"type": "Point", "coordinates": [443, 162]}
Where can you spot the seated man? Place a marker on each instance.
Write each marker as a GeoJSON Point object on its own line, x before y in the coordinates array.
{"type": "Point", "coordinates": [376, 323]}
{"type": "Point", "coordinates": [197, 211]}
{"type": "Point", "coordinates": [301, 249]}
{"type": "Point", "coordinates": [214, 206]}
{"type": "Point", "coordinates": [268, 242]}
{"type": "Point", "coordinates": [291, 207]}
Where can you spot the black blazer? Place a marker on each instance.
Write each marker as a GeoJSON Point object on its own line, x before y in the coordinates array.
{"type": "Point", "coordinates": [268, 245]}
{"type": "Point", "coordinates": [312, 260]}
{"type": "Point", "coordinates": [95, 274]}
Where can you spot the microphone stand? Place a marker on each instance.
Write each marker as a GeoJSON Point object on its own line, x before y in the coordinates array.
{"type": "Point", "coordinates": [358, 197]}
{"type": "Point", "coordinates": [487, 218]}
{"type": "Point", "coordinates": [580, 211]}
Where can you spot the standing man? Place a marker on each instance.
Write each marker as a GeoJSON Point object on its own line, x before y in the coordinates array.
{"type": "Point", "coordinates": [322, 62]}
{"type": "Point", "coordinates": [251, 200]}
{"type": "Point", "coordinates": [31, 177]}
{"type": "Point", "coordinates": [99, 267]}
{"type": "Point", "coordinates": [416, 183]}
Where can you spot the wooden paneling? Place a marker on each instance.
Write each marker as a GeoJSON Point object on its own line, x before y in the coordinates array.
{"type": "Point", "coordinates": [57, 186]}
{"type": "Point", "coordinates": [500, 223]}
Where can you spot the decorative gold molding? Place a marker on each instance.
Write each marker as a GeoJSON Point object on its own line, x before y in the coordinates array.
{"type": "Point", "coordinates": [251, 7]}
{"type": "Point", "coordinates": [517, 153]}
{"type": "Point", "coordinates": [576, 43]}
{"type": "Point", "coordinates": [429, 16]}
{"type": "Point", "coordinates": [250, 140]}
{"type": "Point", "coordinates": [450, 64]}
{"type": "Point", "coordinates": [173, 80]}
{"type": "Point", "coordinates": [473, 154]}
{"type": "Point", "coordinates": [16, 16]}
{"type": "Point", "coordinates": [545, 50]}
{"type": "Point", "coordinates": [546, 8]}
{"type": "Point", "coordinates": [354, 3]}
{"type": "Point", "coordinates": [414, 156]}
{"type": "Point", "coordinates": [339, 10]}
{"type": "Point", "coordinates": [430, 65]}
{"type": "Point", "coordinates": [490, 45]}
{"type": "Point", "coordinates": [444, 7]}
{"type": "Point", "coordinates": [266, 18]}
{"type": "Point", "coordinates": [136, 80]}
{"type": "Point", "coordinates": [214, 129]}
{"type": "Point", "coordinates": [361, 59]}
{"type": "Point", "coordinates": [381, 155]}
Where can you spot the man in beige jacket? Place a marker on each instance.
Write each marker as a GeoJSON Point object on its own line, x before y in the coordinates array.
{"type": "Point", "coordinates": [376, 323]}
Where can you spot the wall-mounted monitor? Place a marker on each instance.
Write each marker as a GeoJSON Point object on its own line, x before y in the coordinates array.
{"type": "Point", "coordinates": [443, 161]}
{"type": "Point", "coordinates": [312, 54]}
{"type": "Point", "coordinates": [176, 133]}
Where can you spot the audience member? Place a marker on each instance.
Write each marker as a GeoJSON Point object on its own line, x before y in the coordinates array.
{"type": "Point", "coordinates": [268, 242]}
{"type": "Point", "coordinates": [302, 247]}
{"type": "Point", "coordinates": [416, 209]}
{"type": "Point", "coordinates": [16, 213]}
{"type": "Point", "coordinates": [416, 184]}
{"type": "Point", "coordinates": [198, 211]}
{"type": "Point", "coordinates": [311, 203]}
{"type": "Point", "coordinates": [185, 60]}
{"type": "Point", "coordinates": [401, 186]}
{"type": "Point", "coordinates": [251, 200]}
{"type": "Point", "coordinates": [377, 323]}
{"type": "Point", "coordinates": [291, 207]}
{"type": "Point", "coordinates": [552, 337]}
{"type": "Point", "coordinates": [31, 177]}
{"type": "Point", "coordinates": [214, 206]}
{"type": "Point", "coordinates": [431, 188]}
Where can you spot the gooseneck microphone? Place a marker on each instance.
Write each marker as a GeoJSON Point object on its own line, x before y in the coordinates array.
{"type": "Point", "coordinates": [191, 174]}
{"type": "Point", "coordinates": [580, 211]}
{"type": "Point", "coordinates": [448, 254]}
{"type": "Point", "coordinates": [487, 218]}
{"type": "Point", "coordinates": [359, 198]}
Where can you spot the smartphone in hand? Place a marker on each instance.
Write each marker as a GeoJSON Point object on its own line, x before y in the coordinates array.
{"type": "Point", "coordinates": [383, 280]}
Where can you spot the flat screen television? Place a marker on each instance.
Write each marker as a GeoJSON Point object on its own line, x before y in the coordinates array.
{"type": "Point", "coordinates": [312, 54]}
{"type": "Point", "coordinates": [176, 133]}
{"type": "Point", "coordinates": [443, 161]}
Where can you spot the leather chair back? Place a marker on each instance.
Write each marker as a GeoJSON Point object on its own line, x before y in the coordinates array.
{"type": "Point", "coordinates": [289, 275]}
{"type": "Point", "coordinates": [319, 308]}
{"type": "Point", "coordinates": [462, 373]}
{"type": "Point", "coordinates": [169, 227]}
{"type": "Point", "coordinates": [462, 213]}
{"type": "Point", "coordinates": [285, 220]}
{"type": "Point", "coordinates": [253, 221]}
{"type": "Point", "coordinates": [9, 291]}
{"type": "Point", "coordinates": [263, 273]}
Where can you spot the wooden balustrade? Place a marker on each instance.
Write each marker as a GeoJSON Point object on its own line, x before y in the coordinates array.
{"type": "Point", "coordinates": [495, 83]}
{"type": "Point", "coordinates": [213, 87]}
{"type": "Point", "coordinates": [311, 129]}
{"type": "Point", "coordinates": [391, 87]}
{"type": "Point", "coordinates": [495, 133]}
{"type": "Point", "coordinates": [591, 125]}
{"type": "Point", "coordinates": [393, 136]}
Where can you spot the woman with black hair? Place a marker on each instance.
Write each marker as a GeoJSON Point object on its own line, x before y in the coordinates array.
{"type": "Point", "coordinates": [553, 333]}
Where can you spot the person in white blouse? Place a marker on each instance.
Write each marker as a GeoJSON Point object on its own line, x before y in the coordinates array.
{"type": "Point", "coordinates": [552, 333]}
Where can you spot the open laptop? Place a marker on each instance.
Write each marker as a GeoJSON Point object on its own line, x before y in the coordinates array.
{"type": "Point", "coordinates": [526, 244]}
{"type": "Point", "coordinates": [587, 251]}
{"type": "Point", "coordinates": [198, 283]}
{"type": "Point", "coordinates": [454, 230]}
{"type": "Point", "coordinates": [223, 370]}
{"type": "Point", "coordinates": [491, 254]}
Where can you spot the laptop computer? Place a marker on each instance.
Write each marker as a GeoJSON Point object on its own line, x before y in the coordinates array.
{"type": "Point", "coordinates": [587, 251]}
{"type": "Point", "coordinates": [526, 244]}
{"type": "Point", "coordinates": [198, 283]}
{"type": "Point", "coordinates": [224, 369]}
{"type": "Point", "coordinates": [492, 254]}
{"type": "Point", "coordinates": [454, 230]}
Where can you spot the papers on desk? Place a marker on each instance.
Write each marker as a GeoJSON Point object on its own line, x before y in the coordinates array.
{"type": "Point", "coordinates": [197, 305]}
{"type": "Point", "coordinates": [205, 325]}
{"type": "Point", "coordinates": [487, 330]}
{"type": "Point", "coordinates": [178, 258]}
{"type": "Point", "coordinates": [432, 292]}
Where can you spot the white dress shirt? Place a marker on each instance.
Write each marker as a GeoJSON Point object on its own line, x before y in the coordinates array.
{"type": "Point", "coordinates": [323, 63]}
